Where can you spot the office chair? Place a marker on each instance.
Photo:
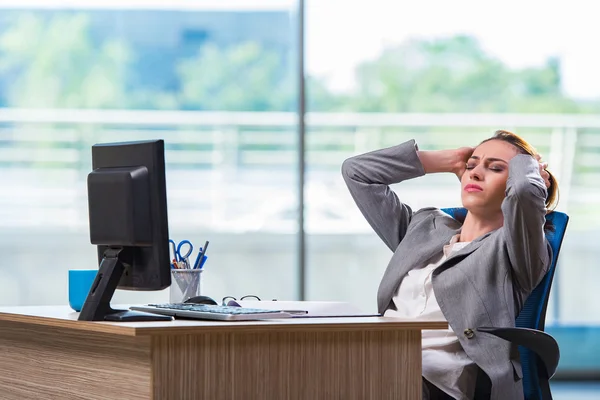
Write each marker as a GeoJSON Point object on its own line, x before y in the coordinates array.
{"type": "Point", "coordinates": [538, 350]}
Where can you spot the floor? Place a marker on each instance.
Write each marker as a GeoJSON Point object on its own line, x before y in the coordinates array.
{"type": "Point", "coordinates": [576, 390]}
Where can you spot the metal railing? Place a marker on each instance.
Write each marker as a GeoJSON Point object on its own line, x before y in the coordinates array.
{"type": "Point", "coordinates": [232, 171]}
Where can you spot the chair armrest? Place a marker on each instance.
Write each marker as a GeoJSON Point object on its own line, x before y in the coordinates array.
{"type": "Point", "coordinates": [541, 343]}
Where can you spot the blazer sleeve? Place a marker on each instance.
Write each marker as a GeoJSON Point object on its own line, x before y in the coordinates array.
{"type": "Point", "coordinates": [524, 213]}
{"type": "Point", "coordinates": [368, 177]}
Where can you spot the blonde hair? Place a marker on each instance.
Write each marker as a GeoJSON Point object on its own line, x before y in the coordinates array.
{"type": "Point", "coordinates": [525, 148]}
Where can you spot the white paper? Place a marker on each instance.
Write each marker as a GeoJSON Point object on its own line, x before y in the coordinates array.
{"type": "Point", "coordinates": [312, 308]}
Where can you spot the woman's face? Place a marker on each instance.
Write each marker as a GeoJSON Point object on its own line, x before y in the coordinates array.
{"type": "Point", "coordinates": [484, 182]}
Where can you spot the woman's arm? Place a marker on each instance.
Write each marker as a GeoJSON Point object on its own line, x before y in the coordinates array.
{"type": "Point", "coordinates": [524, 210]}
{"type": "Point", "coordinates": [369, 175]}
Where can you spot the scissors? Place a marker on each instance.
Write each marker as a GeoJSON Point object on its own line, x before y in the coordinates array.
{"type": "Point", "coordinates": [177, 251]}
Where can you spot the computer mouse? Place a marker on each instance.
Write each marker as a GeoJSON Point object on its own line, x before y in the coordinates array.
{"type": "Point", "coordinates": [201, 300]}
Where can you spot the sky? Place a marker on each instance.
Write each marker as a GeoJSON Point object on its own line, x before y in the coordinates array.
{"type": "Point", "coordinates": [340, 34]}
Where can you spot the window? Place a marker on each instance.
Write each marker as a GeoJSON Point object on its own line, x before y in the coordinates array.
{"type": "Point", "coordinates": [207, 78]}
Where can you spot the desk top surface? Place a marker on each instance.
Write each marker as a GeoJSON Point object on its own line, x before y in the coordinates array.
{"type": "Point", "coordinates": [64, 317]}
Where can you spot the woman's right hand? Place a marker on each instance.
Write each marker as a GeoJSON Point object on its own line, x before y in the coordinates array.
{"type": "Point", "coordinates": [462, 155]}
{"type": "Point", "coordinates": [452, 160]}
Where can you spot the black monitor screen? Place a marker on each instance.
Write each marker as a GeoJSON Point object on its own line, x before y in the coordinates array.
{"type": "Point", "coordinates": [128, 208]}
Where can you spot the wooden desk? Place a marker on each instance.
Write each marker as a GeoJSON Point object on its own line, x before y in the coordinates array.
{"type": "Point", "coordinates": [45, 353]}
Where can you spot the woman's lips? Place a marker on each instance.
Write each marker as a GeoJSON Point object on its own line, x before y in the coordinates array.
{"type": "Point", "coordinates": [473, 188]}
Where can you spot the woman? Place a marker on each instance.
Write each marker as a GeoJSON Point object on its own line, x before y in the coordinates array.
{"type": "Point", "coordinates": [475, 273]}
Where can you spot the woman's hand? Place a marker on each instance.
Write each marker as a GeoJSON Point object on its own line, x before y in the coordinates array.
{"type": "Point", "coordinates": [462, 156]}
{"type": "Point", "coordinates": [453, 160]}
{"type": "Point", "coordinates": [543, 173]}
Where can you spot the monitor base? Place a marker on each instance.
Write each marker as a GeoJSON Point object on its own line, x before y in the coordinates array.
{"type": "Point", "coordinates": [135, 316]}
{"type": "Point", "coordinates": [97, 302]}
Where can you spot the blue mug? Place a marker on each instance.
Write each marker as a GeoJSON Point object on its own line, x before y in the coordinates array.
{"type": "Point", "coordinates": [80, 283]}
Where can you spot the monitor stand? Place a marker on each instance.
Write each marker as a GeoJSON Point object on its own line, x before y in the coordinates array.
{"type": "Point", "coordinates": [97, 304]}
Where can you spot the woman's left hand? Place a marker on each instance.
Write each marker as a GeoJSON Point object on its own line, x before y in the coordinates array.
{"type": "Point", "coordinates": [543, 173]}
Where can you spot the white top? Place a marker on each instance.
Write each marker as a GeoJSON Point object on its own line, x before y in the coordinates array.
{"type": "Point", "coordinates": [445, 364]}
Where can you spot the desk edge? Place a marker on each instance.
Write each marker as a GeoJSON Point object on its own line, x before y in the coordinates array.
{"type": "Point", "coordinates": [125, 329]}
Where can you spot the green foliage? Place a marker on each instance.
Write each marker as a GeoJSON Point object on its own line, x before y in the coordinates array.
{"type": "Point", "coordinates": [54, 62]}
{"type": "Point", "coordinates": [244, 77]}
{"type": "Point", "coordinates": [455, 75]}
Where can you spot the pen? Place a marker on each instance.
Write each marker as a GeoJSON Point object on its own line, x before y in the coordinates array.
{"type": "Point", "coordinates": [198, 263]}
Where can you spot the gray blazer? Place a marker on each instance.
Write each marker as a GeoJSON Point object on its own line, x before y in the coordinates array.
{"type": "Point", "coordinates": [484, 284]}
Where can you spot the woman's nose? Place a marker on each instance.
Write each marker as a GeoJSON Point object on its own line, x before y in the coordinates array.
{"type": "Point", "coordinates": [476, 173]}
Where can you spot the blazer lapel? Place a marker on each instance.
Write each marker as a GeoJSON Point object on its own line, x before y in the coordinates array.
{"type": "Point", "coordinates": [462, 253]}
{"type": "Point", "coordinates": [414, 251]}
{"type": "Point", "coordinates": [418, 248]}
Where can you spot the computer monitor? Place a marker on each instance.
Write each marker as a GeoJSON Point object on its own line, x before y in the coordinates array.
{"type": "Point", "coordinates": [128, 221]}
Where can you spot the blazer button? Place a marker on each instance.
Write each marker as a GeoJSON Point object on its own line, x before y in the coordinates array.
{"type": "Point", "coordinates": [469, 333]}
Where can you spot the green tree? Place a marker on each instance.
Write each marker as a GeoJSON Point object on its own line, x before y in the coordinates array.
{"type": "Point", "coordinates": [454, 75]}
{"type": "Point", "coordinates": [245, 77]}
{"type": "Point", "coordinates": [54, 63]}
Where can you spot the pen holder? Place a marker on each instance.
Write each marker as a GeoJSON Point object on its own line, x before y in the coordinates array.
{"type": "Point", "coordinates": [185, 283]}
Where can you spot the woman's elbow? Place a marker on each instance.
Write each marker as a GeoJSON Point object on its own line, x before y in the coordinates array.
{"type": "Point", "coordinates": [349, 168]}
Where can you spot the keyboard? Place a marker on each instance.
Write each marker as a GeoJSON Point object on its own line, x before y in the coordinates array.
{"type": "Point", "coordinates": [211, 312]}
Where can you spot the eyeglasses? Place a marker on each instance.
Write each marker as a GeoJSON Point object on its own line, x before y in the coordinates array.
{"type": "Point", "coordinates": [226, 299]}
